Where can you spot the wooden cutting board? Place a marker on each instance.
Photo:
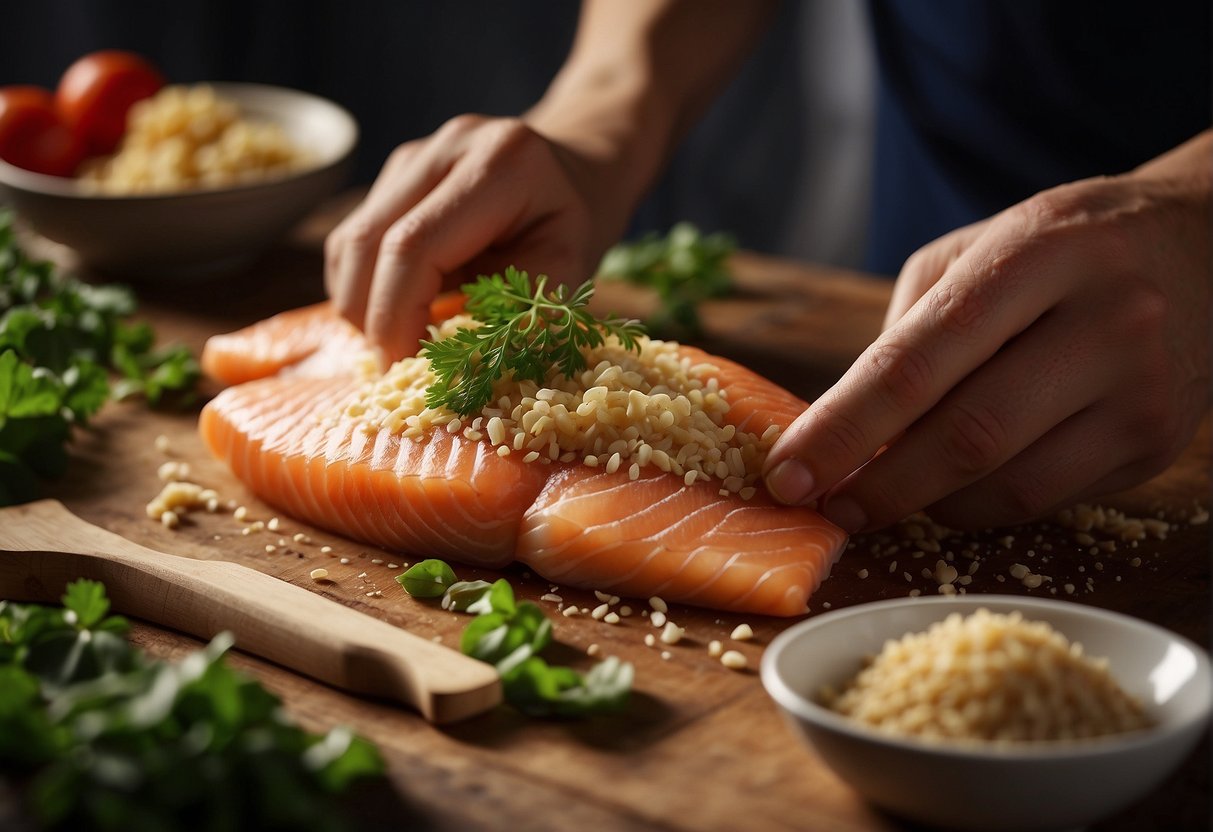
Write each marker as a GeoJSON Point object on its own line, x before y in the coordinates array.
{"type": "Point", "coordinates": [701, 747]}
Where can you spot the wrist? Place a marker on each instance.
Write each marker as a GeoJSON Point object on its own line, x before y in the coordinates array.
{"type": "Point", "coordinates": [612, 131]}
{"type": "Point", "coordinates": [640, 73]}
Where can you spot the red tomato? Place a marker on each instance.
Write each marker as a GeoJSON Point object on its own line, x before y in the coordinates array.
{"type": "Point", "coordinates": [98, 90]}
{"type": "Point", "coordinates": [33, 135]}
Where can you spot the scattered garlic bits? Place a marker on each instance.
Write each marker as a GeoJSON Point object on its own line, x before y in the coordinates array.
{"type": "Point", "coordinates": [988, 677]}
{"type": "Point", "coordinates": [626, 412]}
{"type": "Point", "coordinates": [184, 138]}
{"type": "Point", "coordinates": [176, 499]}
{"type": "Point", "coordinates": [1083, 519]}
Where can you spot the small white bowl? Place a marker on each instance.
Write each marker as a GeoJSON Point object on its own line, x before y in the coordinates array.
{"type": "Point", "coordinates": [1029, 786]}
{"type": "Point", "coordinates": [197, 232]}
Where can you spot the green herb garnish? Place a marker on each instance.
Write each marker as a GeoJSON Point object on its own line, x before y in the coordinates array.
{"type": "Point", "coordinates": [102, 737]}
{"type": "Point", "coordinates": [683, 268]}
{"type": "Point", "coordinates": [502, 626]}
{"type": "Point", "coordinates": [428, 579]}
{"type": "Point", "coordinates": [524, 330]}
{"type": "Point", "coordinates": [510, 634]}
{"type": "Point", "coordinates": [461, 595]}
{"type": "Point", "coordinates": [60, 342]}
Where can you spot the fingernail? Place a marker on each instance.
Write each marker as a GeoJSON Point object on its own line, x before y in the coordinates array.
{"type": "Point", "coordinates": [790, 482]}
{"type": "Point", "coordinates": [845, 513]}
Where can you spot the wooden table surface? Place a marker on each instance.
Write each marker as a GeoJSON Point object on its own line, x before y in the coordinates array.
{"type": "Point", "coordinates": [700, 747]}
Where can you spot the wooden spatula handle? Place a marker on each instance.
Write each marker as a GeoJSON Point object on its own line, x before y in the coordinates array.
{"type": "Point", "coordinates": [43, 547]}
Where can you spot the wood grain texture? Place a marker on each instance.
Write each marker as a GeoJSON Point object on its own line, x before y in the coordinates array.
{"type": "Point", "coordinates": [43, 547]}
{"type": "Point", "coordinates": [702, 747]}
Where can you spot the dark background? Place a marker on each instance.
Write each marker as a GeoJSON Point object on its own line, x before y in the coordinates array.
{"type": "Point", "coordinates": [402, 67]}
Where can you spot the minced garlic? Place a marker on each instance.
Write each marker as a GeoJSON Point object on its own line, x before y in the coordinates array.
{"type": "Point", "coordinates": [626, 412]}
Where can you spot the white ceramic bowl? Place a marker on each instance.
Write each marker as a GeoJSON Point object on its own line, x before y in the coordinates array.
{"type": "Point", "coordinates": [1026, 787]}
{"type": "Point", "coordinates": [198, 232]}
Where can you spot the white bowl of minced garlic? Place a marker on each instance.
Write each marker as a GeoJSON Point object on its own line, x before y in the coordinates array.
{"type": "Point", "coordinates": [992, 712]}
{"type": "Point", "coordinates": [206, 178]}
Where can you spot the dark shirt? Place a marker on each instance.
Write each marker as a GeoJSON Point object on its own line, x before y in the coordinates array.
{"type": "Point", "coordinates": [982, 103]}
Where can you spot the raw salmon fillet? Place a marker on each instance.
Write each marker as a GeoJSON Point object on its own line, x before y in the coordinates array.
{"type": "Point", "coordinates": [454, 498]}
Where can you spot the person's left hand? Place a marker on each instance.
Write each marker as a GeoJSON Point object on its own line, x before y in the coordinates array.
{"type": "Point", "coordinates": [1054, 352]}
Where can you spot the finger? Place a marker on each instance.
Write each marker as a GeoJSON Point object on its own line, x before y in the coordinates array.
{"type": "Point", "coordinates": [924, 268]}
{"type": "Point", "coordinates": [412, 171]}
{"type": "Point", "coordinates": [347, 280]}
{"type": "Point", "coordinates": [544, 248]}
{"type": "Point", "coordinates": [993, 292]}
{"type": "Point", "coordinates": [1036, 382]}
{"type": "Point", "coordinates": [468, 210]}
{"type": "Point", "coordinates": [1073, 461]}
{"type": "Point", "coordinates": [351, 248]}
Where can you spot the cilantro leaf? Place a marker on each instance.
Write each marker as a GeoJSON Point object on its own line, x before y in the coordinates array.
{"type": "Point", "coordinates": [87, 602]}
{"type": "Point", "coordinates": [60, 340]}
{"type": "Point", "coordinates": [132, 743]}
{"type": "Point", "coordinates": [25, 392]}
{"type": "Point", "coordinates": [340, 758]}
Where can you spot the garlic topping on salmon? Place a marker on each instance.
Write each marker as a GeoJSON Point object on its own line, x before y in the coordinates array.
{"type": "Point", "coordinates": [626, 411]}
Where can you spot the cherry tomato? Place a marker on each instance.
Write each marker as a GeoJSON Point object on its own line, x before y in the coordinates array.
{"type": "Point", "coordinates": [33, 135]}
{"type": "Point", "coordinates": [97, 91]}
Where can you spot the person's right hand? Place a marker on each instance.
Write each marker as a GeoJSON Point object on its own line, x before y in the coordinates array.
{"type": "Point", "coordinates": [478, 195]}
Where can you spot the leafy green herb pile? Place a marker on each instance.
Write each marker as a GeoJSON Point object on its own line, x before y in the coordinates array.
{"type": "Point", "coordinates": [510, 634]}
{"type": "Point", "coordinates": [684, 267]}
{"type": "Point", "coordinates": [524, 329]}
{"type": "Point", "coordinates": [105, 739]}
{"type": "Point", "coordinates": [60, 341]}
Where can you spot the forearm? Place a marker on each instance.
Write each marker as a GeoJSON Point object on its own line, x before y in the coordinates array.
{"type": "Point", "coordinates": [639, 75]}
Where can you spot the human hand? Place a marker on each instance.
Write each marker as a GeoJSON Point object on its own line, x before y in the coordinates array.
{"type": "Point", "coordinates": [550, 191]}
{"type": "Point", "coordinates": [477, 195]}
{"type": "Point", "coordinates": [1055, 352]}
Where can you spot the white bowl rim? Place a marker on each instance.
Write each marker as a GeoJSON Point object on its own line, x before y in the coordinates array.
{"type": "Point", "coordinates": [805, 708]}
{"type": "Point", "coordinates": [67, 186]}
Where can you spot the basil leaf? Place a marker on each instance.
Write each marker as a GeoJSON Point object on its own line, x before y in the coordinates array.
{"type": "Point", "coordinates": [511, 634]}
{"type": "Point", "coordinates": [499, 598]}
{"type": "Point", "coordinates": [484, 636]}
{"type": "Point", "coordinates": [461, 595]}
{"type": "Point", "coordinates": [428, 579]}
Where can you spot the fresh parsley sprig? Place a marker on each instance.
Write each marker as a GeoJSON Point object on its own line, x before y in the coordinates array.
{"type": "Point", "coordinates": [524, 330]}
{"type": "Point", "coordinates": [683, 267]}
{"type": "Point", "coordinates": [102, 737]}
{"type": "Point", "coordinates": [61, 340]}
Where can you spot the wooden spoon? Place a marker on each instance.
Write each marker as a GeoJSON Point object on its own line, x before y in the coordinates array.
{"type": "Point", "coordinates": [43, 547]}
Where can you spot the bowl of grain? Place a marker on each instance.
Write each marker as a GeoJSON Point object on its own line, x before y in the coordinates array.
{"type": "Point", "coordinates": [992, 712]}
{"type": "Point", "coordinates": [206, 178]}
